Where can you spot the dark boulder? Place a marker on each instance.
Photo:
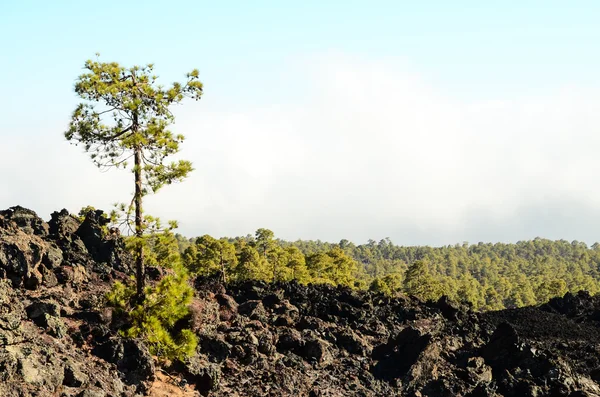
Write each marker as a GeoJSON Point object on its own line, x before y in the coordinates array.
{"type": "Point", "coordinates": [253, 309]}
{"type": "Point", "coordinates": [131, 357]}
{"type": "Point", "coordinates": [448, 308]}
{"type": "Point", "coordinates": [62, 224]}
{"type": "Point", "coordinates": [26, 220]}
{"type": "Point", "coordinates": [351, 342]}
{"type": "Point", "coordinates": [504, 348]}
{"type": "Point", "coordinates": [289, 340]}
{"type": "Point", "coordinates": [397, 356]}
{"type": "Point", "coordinates": [20, 258]}
{"type": "Point", "coordinates": [74, 377]}
{"type": "Point", "coordinates": [104, 249]}
{"type": "Point", "coordinates": [316, 350]}
{"type": "Point", "coordinates": [204, 375]}
{"type": "Point", "coordinates": [228, 307]}
{"type": "Point", "coordinates": [214, 347]}
{"type": "Point", "coordinates": [572, 305]}
{"type": "Point", "coordinates": [47, 316]}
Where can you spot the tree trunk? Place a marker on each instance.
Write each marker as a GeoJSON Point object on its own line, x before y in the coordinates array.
{"type": "Point", "coordinates": [140, 275]}
{"type": "Point", "coordinates": [223, 277]}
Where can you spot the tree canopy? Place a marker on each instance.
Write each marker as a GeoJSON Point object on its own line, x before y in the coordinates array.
{"type": "Point", "coordinates": [488, 276]}
{"type": "Point", "coordinates": [124, 117]}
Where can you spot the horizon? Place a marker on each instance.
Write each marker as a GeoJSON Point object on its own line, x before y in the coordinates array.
{"type": "Point", "coordinates": [356, 243]}
{"type": "Point", "coordinates": [428, 124]}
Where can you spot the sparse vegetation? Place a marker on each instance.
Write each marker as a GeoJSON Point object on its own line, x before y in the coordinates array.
{"type": "Point", "coordinates": [155, 318]}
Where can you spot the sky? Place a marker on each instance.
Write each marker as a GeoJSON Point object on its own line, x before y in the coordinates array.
{"type": "Point", "coordinates": [429, 123]}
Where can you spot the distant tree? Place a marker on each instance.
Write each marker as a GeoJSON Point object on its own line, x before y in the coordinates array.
{"type": "Point", "coordinates": [264, 241]}
{"type": "Point", "coordinates": [251, 265]}
{"type": "Point", "coordinates": [419, 282]}
{"type": "Point", "coordinates": [277, 260]}
{"type": "Point", "coordinates": [163, 250]}
{"type": "Point", "coordinates": [378, 285]}
{"type": "Point", "coordinates": [227, 258]}
{"type": "Point", "coordinates": [202, 257]}
{"type": "Point", "coordinates": [296, 265]}
{"type": "Point", "coordinates": [345, 267]}
{"type": "Point", "coordinates": [182, 242]}
{"type": "Point", "coordinates": [189, 257]}
{"type": "Point", "coordinates": [320, 265]}
{"type": "Point", "coordinates": [131, 121]}
{"type": "Point", "coordinates": [209, 256]}
{"type": "Point", "coordinates": [333, 267]}
{"type": "Point", "coordinates": [469, 290]}
{"type": "Point", "coordinates": [389, 284]}
{"type": "Point", "coordinates": [493, 301]}
{"type": "Point", "coordinates": [394, 281]}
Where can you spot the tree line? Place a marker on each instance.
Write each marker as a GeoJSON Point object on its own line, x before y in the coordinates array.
{"type": "Point", "coordinates": [487, 276]}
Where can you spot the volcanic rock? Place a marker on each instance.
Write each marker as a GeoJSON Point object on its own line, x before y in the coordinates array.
{"type": "Point", "coordinates": [259, 339]}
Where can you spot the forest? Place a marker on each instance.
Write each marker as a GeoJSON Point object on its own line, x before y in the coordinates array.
{"type": "Point", "coordinates": [487, 276]}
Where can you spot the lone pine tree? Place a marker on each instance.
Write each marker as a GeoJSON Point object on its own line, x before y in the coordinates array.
{"type": "Point", "coordinates": [125, 115]}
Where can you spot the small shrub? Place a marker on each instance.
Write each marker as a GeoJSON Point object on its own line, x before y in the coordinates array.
{"type": "Point", "coordinates": [154, 319]}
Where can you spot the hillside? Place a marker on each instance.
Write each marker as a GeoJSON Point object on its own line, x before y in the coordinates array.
{"type": "Point", "coordinates": [269, 339]}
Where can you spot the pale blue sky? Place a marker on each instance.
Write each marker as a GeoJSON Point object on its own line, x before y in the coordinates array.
{"type": "Point", "coordinates": [261, 62]}
{"type": "Point", "coordinates": [480, 48]}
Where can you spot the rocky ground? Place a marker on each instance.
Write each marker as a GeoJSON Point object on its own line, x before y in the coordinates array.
{"type": "Point", "coordinates": [269, 340]}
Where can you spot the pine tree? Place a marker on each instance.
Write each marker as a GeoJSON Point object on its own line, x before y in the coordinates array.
{"type": "Point", "coordinates": [209, 256]}
{"type": "Point", "coordinates": [163, 250]}
{"type": "Point", "coordinates": [332, 267]}
{"type": "Point", "coordinates": [419, 282]}
{"type": "Point", "coordinates": [251, 265]}
{"type": "Point", "coordinates": [296, 265]}
{"type": "Point", "coordinates": [131, 121]}
{"type": "Point", "coordinates": [202, 257]}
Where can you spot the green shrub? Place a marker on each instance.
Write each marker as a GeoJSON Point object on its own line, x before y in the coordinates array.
{"type": "Point", "coordinates": [154, 318]}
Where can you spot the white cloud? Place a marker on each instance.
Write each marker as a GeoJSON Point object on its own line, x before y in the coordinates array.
{"type": "Point", "coordinates": [361, 149]}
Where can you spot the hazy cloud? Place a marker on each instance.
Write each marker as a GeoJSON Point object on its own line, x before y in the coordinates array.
{"type": "Point", "coordinates": [357, 149]}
